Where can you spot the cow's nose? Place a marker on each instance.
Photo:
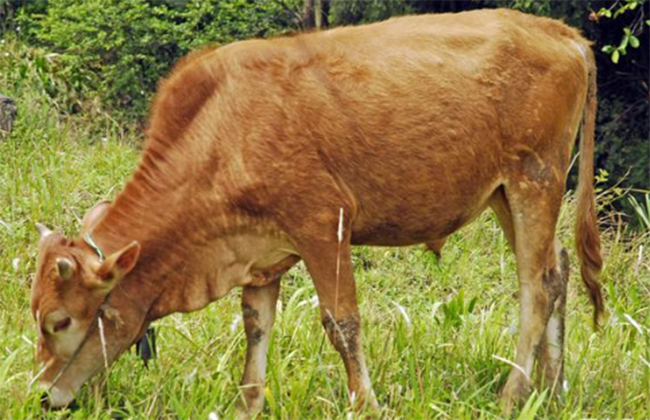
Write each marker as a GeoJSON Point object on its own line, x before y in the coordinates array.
{"type": "Point", "coordinates": [44, 400]}
{"type": "Point", "coordinates": [46, 403]}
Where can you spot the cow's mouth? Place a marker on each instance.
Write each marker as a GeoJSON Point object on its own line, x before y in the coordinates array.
{"type": "Point", "coordinates": [54, 398]}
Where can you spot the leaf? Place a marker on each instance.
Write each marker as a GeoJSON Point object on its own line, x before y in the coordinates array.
{"type": "Point", "coordinates": [608, 49]}
{"type": "Point", "coordinates": [644, 214]}
{"type": "Point", "coordinates": [634, 42]}
{"type": "Point", "coordinates": [472, 304]}
{"type": "Point", "coordinates": [615, 56]}
{"type": "Point", "coordinates": [532, 406]}
{"type": "Point", "coordinates": [605, 12]}
{"type": "Point", "coordinates": [647, 22]}
{"type": "Point", "coordinates": [6, 365]}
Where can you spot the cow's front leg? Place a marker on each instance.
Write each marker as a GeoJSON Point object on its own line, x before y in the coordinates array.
{"type": "Point", "coordinates": [330, 266]}
{"type": "Point", "coordinates": [344, 333]}
{"type": "Point", "coordinates": [258, 305]}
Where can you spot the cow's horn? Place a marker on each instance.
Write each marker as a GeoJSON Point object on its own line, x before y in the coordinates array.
{"type": "Point", "coordinates": [43, 230]}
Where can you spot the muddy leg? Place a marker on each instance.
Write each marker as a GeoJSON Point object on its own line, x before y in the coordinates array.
{"type": "Point", "coordinates": [550, 362]}
{"type": "Point", "coordinates": [339, 313]}
{"type": "Point", "coordinates": [538, 271]}
{"type": "Point", "coordinates": [258, 305]}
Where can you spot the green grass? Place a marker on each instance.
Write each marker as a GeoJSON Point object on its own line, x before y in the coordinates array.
{"type": "Point", "coordinates": [431, 329]}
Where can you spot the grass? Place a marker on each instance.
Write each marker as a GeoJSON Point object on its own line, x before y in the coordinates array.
{"type": "Point", "coordinates": [432, 330]}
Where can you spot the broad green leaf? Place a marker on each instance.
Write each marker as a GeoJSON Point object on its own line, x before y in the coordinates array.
{"type": "Point", "coordinates": [605, 12]}
{"type": "Point", "coordinates": [608, 49]}
{"type": "Point", "coordinates": [615, 56]}
{"type": "Point", "coordinates": [634, 42]}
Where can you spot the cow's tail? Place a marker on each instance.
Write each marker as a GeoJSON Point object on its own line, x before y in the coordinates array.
{"type": "Point", "coordinates": [587, 237]}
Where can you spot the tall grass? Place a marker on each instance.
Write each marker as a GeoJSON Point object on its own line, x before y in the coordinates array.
{"type": "Point", "coordinates": [435, 332]}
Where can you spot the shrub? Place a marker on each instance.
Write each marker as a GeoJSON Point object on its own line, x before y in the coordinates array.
{"type": "Point", "coordinates": [118, 50]}
{"type": "Point", "coordinates": [219, 21]}
{"type": "Point", "coordinates": [110, 49]}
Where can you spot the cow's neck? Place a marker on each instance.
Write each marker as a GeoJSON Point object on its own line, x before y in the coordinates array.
{"type": "Point", "coordinates": [193, 249]}
{"type": "Point", "coordinates": [158, 209]}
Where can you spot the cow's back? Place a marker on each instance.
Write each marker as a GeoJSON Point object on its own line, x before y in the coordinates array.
{"type": "Point", "coordinates": [411, 117]}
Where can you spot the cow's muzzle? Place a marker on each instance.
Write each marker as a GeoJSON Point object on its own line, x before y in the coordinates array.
{"type": "Point", "coordinates": [57, 398]}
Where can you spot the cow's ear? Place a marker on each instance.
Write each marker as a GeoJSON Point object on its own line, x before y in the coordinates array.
{"type": "Point", "coordinates": [94, 215]}
{"type": "Point", "coordinates": [116, 266]}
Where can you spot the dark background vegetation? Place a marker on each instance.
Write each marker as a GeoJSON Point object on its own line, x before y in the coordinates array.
{"type": "Point", "coordinates": [106, 56]}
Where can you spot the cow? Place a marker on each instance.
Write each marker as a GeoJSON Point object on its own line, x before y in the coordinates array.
{"type": "Point", "coordinates": [264, 153]}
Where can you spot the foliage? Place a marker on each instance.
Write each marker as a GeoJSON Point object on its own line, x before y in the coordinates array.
{"type": "Point", "coordinates": [110, 49]}
{"type": "Point", "coordinates": [218, 21]}
{"type": "Point", "coordinates": [345, 12]}
{"type": "Point", "coordinates": [9, 9]}
{"type": "Point", "coordinates": [629, 32]}
{"type": "Point", "coordinates": [454, 311]}
{"type": "Point", "coordinates": [112, 53]}
{"type": "Point", "coordinates": [642, 210]}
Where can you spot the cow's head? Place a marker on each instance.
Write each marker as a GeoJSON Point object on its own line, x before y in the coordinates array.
{"type": "Point", "coordinates": [73, 285]}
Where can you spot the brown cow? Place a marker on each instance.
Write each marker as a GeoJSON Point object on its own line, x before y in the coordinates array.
{"type": "Point", "coordinates": [263, 153]}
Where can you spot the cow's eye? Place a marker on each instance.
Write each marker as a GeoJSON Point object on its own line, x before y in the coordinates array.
{"type": "Point", "coordinates": [61, 325]}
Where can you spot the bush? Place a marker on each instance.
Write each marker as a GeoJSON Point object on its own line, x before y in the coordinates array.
{"type": "Point", "coordinates": [219, 21]}
{"type": "Point", "coordinates": [109, 49]}
{"type": "Point", "coordinates": [112, 53]}
{"type": "Point", "coordinates": [9, 9]}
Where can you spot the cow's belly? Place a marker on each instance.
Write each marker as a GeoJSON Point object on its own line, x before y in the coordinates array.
{"type": "Point", "coordinates": [420, 201]}
{"type": "Point", "coordinates": [416, 222]}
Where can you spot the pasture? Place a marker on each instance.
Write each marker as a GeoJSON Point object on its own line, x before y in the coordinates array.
{"type": "Point", "coordinates": [438, 335]}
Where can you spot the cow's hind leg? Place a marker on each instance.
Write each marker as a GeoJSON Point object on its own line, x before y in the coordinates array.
{"type": "Point", "coordinates": [535, 212]}
{"type": "Point", "coordinates": [258, 306]}
{"type": "Point", "coordinates": [551, 348]}
{"type": "Point", "coordinates": [550, 363]}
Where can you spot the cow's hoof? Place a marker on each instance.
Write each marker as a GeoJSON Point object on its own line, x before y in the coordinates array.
{"type": "Point", "coordinates": [242, 412]}
{"type": "Point", "coordinates": [514, 393]}
{"type": "Point", "coordinates": [368, 407]}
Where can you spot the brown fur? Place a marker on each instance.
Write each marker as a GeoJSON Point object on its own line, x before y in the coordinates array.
{"type": "Point", "coordinates": [411, 128]}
